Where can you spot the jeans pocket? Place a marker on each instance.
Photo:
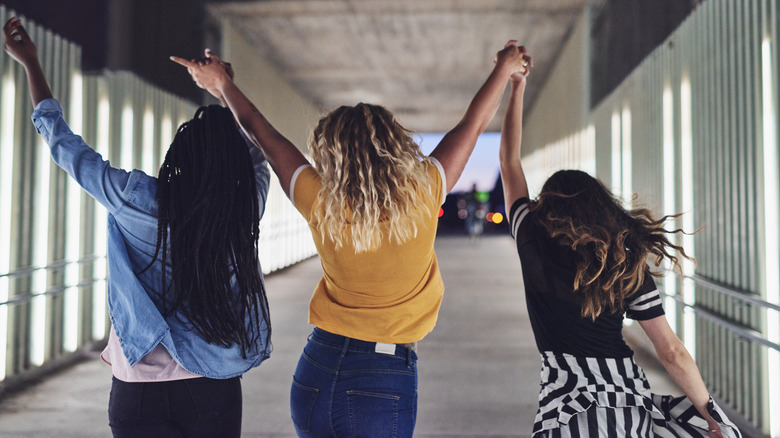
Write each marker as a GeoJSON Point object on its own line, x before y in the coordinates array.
{"type": "Point", "coordinates": [373, 414]}
{"type": "Point", "coordinates": [124, 403]}
{"type": "Point", "coordinates": [212, 399]}
{"type": "Point", "coordinates": [302, 400]}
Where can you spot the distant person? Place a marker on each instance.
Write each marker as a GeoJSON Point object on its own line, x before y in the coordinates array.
{"type": "Point", "coordinates": [185, 290]}
{"type": "Point", "coordinates": [475, 214]}
{"type": "Point", "coordinates": [584, 264]}
{"type": "Point", "coordinates": [372, 201]}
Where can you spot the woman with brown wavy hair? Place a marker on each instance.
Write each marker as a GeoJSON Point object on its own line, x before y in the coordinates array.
{"type": "Point", "coordinates": [584, 266]}
{"type": "Point", "coordinates": [371, 200]}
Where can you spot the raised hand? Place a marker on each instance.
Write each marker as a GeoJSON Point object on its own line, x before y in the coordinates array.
{"type": "Point", "coordinates": [519, 77]}
{"type": "Point", "coordinates": [209, 73]}
{"type": "Point", "coordinates": [516, 59]}
{"type": "Point", "coordinates": [18, 44]}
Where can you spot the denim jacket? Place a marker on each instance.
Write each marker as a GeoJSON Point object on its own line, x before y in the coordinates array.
{"type": "Point", "coordinates": [134, 296]}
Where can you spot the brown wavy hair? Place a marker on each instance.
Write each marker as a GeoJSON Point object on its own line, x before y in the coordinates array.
{"type": "Point", "coordinates": [371, 172]}
{"type": "Point", "coordinates": [611, 245]}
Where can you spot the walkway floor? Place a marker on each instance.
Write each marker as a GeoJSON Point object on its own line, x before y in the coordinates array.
{"type": "Point", "coordinates": [479, 369]}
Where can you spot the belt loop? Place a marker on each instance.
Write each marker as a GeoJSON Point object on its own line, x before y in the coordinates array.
{"type": "Point", "coordinates": [408, 357]}
{"type": "Point", "coordinates": [345, 347]}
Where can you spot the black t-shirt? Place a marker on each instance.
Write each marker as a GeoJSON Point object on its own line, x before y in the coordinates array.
{"type": "Point", "coordinates": [554, 308]}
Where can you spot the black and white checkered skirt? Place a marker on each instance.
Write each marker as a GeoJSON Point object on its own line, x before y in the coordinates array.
{"type": "Point", "coordinates": [609, 397]}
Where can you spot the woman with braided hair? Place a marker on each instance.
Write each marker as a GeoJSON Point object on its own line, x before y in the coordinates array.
{"type": "Point", "coordinates": [371, 200]}
{"type": "Point", "coordinates": [186, 297]}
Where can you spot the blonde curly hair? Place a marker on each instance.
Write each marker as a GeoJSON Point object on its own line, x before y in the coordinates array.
{"type": "Point", "coordinates": [371, 172]}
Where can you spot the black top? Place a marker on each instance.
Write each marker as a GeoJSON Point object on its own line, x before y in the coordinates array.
{"type": "Point", "coordinates": [554, 308]}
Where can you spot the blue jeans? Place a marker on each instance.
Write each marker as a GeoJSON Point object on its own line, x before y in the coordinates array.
{"type": "Point", "coordinates": [199, 407]}
{"type": "Point", "coordinates": [342, 387]}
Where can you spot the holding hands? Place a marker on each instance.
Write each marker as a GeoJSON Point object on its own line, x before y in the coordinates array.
{"type": "Point", "coordinates": [517, 60]}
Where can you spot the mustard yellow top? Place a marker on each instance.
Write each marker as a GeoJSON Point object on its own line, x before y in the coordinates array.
{"type": "Point", "coordinates": [390, 295]}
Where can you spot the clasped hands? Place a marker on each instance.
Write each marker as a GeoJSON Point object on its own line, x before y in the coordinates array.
{"type": "Point", "coordinates": [210, 79]}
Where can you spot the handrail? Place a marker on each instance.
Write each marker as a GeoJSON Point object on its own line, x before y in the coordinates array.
{"type": "Point", "coordinates": [732, 292]}
{"type": "Point", "coordinates": [28, 270]}
{"type": "Point", "coordinates": [58, 290]}
{"type": "Point", "coordinates": [750, 334]}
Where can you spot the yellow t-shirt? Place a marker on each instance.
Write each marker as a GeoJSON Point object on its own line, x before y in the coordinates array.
{"type": "Point", "coordinates": [390, 295]}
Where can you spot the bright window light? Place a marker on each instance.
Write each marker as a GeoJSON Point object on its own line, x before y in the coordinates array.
{"type": "Point", "coordinates": [101, 228]}
{"type": "Point", "coordinates": [73, 228]}
{"type": "Point", "coordinates": [148, 142]}
{"type": "Point", "coordinates": [126, 159]}
{"type": "Point", "coordinates": [772, 253]}
{"type": "Point", "coordinates": [669, 168]}
{"type": "Point", "coordinates": [627, 189]}
{"type": "Point", "coordinates": [686, 189]}
{"type": "Point", "coordinates": [6, 181]}
{"type": "Point", "coordinates": [40, 255]}
{"type": "Point", "coordinates": [589, 149]}
{"type": "Point", "coordinates": [616, 160]}
{"type": "Point", "coordinates": [38, 326]}
{"type": "Point", "coordinates": [166, 135]}
{"type": "Point", "coordinates": [670, 284]}
{"type": "Point", "coordinates": [7, 100]}
{"type": "Point", "coordinates": [3, 330]}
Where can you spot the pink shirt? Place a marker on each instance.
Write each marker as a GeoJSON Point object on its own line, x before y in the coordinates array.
{"type": "Point", "coordinates": [156, 366]}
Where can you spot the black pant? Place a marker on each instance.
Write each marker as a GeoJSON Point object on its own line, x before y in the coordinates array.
{"type": "Point", "coordinates": [199, 407]}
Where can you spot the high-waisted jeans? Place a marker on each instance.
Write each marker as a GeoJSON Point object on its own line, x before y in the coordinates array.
{"type": "Point", "coordinates": [199, 407]}
{"type": "Point", "coordinates": [345, 387]}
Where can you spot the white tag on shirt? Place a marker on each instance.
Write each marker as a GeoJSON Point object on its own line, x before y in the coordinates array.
{"type": "Point", "coordinates": [384, 348]}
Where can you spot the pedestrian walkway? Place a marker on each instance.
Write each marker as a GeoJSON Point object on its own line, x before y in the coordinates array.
{"type": "Point", "coordinates": [479, 369]}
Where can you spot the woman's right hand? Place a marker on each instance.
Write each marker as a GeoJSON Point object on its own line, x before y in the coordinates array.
{"type": "Point", "coordinates": [209, 73]}
{"type": "Point", "coordinates": [713, 428]}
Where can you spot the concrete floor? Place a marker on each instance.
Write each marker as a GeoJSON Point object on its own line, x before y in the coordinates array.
{"type": "Point", "coordinates": [479, 369]}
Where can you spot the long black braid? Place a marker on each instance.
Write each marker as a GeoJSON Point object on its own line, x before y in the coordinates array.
{"type": "Point", "coordinates": [207, 229]}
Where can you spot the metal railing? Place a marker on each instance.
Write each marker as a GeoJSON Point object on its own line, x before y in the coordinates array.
{"type": "Point", "coordinates": [742, 331]}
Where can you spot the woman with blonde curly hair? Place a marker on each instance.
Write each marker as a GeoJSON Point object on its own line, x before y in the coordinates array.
{"type": "Point", "coordinates": [584, 267]}
{"type": "Point", "coordinates": [371, 201]}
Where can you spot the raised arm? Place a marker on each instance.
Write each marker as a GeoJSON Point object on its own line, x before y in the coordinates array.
{"type": "Point", "coordinates": [81, 162]}
{"type": "Point", "coordinates": [455, 148]}
{"type": "Point", "coordinates": [283, 156]}
{"type": "Point", "coordinates": [681, 367]}
{"type": "Point", "coordinates": [18, 44]}
{"type": "Point", "coordinates": [512, 175]}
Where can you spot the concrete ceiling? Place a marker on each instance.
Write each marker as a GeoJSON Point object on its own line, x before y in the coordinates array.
{"type": "Point", "coordinates": [422, 59]}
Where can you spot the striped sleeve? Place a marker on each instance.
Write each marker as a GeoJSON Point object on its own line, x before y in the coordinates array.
{"type": "Point", "coordinates": [646, 303]}
{"type": "Point", "coordinates": [517, 213]}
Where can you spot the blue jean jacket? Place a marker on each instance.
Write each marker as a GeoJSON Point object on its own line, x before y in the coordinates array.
{"type": "Point", "coordinates": [133, 297]}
